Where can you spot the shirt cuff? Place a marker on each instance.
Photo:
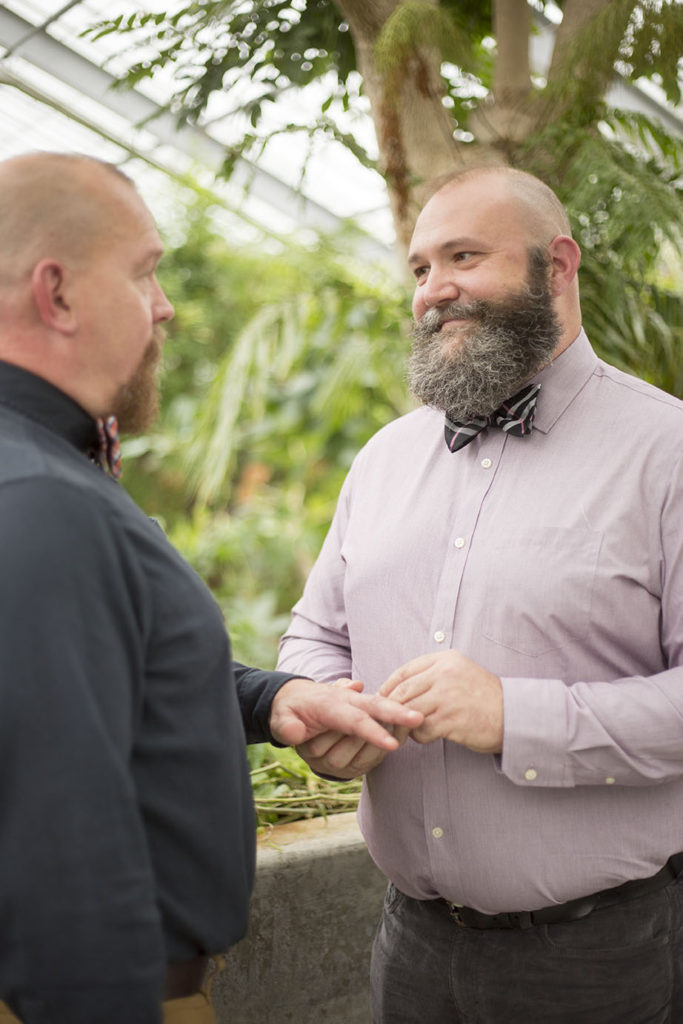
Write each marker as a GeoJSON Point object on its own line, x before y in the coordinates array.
{"type": "Point", "coordinates": [535, 733]}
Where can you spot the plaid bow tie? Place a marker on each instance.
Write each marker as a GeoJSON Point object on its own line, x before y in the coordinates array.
{"type": "Point", "coordinates": [109, 455]}
{"type": "Point", "coordinates": [515, 416]}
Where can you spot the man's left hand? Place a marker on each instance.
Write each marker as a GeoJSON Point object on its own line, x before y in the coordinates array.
{"type": "Point", "coordinates": [302, 709]}
{"type": "Point", "coordinates": [460, 700]}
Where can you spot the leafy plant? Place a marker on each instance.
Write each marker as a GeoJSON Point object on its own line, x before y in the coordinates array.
{"type": "Point", "coordinates": [285, 789]}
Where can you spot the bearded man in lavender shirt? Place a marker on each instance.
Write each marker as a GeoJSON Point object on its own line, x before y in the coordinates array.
{"type": "Point", "coordinates": [521, 584]}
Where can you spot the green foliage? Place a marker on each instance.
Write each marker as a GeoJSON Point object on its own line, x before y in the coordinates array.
{"type": "Point", "coordinates": [286, 790]}
{"type": "Point", "coordinates": [654, 45]}
{"type": "Point", "coordinates": [277, 46]}
{"type": "Point", "coordinates": [412, 25]}
{"type": "Point", "coordinates": [267, 402]}
{"type": "Point", "coordinates": [218, 45]}
{"type": "Point", "coordinates": [588, 64]}
{"type": "Point", "coordinates": [623, 198]}
{"type": "Point", "coordinates": [621, 188]}
{"type": "Point", "coordinates": [278, 368]}
{"type": "Point", "coordinates": [307, 381]}
{"type": "Point", "coordinates": [215, 290]}
{"type": "Point", "coordinates": [638, 328]}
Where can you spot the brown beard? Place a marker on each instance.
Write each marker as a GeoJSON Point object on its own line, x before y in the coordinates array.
{"type": "Point", "coordinates": [136, 405]}
{"type": "Point", "coordinates": [508, 341]}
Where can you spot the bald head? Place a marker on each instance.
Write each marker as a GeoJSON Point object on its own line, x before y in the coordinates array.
{"type": "Point", "coordinates": [55, 205]}
{"type": "Point", "coordinates": [538, 207]}
{"type": "Point", "coordinates": [80, 303]}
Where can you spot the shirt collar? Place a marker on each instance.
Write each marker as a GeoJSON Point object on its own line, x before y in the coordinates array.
{"type": "Point", "coordinates": [43, 403]}
{"type": "Point", "coordinates": [562, 380]}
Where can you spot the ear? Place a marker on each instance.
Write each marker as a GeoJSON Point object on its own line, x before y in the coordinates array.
{"type": "Point", "coordinates": [566, 257]}
{"type": "Point", "coordinates": [50, 294]}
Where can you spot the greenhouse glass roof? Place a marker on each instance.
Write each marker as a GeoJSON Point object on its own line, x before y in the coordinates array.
{"type": "Point", "coordinates": [56, 94]}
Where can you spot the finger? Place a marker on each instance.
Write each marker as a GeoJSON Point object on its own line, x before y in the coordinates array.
{"type": "Point", "coordinates": [424, 736]}
{"type": "Point", "coordinates": [350, 752]}
{"type": "Point", "coordinates": [349, 684]}
{"type": "Point", "coordinates": [343, 754]}
{"type": "Point", "coordinates": [413, 687]}
{"type": "Point", "coordinates": [370, 731]}
{"type": "Point", "coordinates": [388, 711]}
{"type": "Point", "coordinates": [428, 731]}
{"type": "Point", "coordinates": [404, 672]}
{"type": "Point", "coordinates": [319, 745]}
{"type": "Point", "coordinates": [433, 701]}
{"type": "Point", "coordinates": [368, 758]}
{"type": "Point", "coordinates": [401, 733]}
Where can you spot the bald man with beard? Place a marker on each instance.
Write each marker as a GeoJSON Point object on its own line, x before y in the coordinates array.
{"type": "Point", "coordinates": [126, 818]}
{"type": "Point", "coordinates": [508, 560]}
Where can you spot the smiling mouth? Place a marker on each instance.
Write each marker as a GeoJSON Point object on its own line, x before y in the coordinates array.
{"type": "Point", "coordinates": [454, 324]}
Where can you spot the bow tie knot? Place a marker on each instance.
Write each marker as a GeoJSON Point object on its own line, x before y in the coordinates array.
{"type": "Point", "coordinates": [515, 416]}
{"type": "Point", "coordinates": [109, 455]}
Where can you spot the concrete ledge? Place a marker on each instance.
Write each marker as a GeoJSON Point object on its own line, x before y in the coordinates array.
{"type": "Point", "coordinates": [316, 903]}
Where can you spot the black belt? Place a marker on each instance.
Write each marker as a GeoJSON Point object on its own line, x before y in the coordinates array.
{"type": "Point", "coordinates": [466, 917]}
{"type": "Point", "coordinates": [185, 977]}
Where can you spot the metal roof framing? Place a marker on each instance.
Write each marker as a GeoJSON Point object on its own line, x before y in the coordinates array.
{"type": "Point", "coordinates": [145, 130]}
{"type": "Point", "coordinates": [163, 138]}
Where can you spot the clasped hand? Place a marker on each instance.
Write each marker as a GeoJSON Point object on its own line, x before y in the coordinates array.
{"type": "Point", "coordinates": [460, 700]}
{"type": "Point", "coordinates": [331, 725]}
{"type": "Point", "coordinates": [456, 698]}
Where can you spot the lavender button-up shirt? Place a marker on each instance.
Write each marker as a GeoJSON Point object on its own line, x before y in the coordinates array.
{"type": "Point", "coordinates": [555, 561]}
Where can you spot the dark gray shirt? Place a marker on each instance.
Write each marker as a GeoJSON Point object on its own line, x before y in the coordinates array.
{"type": "Point", "coordinates": [126, 818]}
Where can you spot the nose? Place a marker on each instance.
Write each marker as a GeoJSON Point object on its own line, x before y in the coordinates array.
{"type": "Point", "coordinates": [436, 288]}
{"type": "Point", "coordinates": [163, 310]}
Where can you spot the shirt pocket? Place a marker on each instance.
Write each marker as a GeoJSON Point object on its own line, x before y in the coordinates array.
{"type": "Point", "coordinates": [539, 588]}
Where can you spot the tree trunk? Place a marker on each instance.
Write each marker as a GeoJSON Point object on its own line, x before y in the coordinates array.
{"type": "Point", "coordinates": [415, 132]}
{"type": "Point", "coordinates": [511, 27]}
{"type": "Point", "coordinates": [414, 129]}
{"type": "Point", "coordinates": [508, 115]}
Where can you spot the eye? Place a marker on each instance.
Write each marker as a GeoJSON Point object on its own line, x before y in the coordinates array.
{"type": "Point", "coordinates": [419, 272]}
{"type": "Point", "coordinates": [462, 257]}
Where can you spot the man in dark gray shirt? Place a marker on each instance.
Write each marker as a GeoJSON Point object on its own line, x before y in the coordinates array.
{"type": "Point", "coordinates": [126, 821]}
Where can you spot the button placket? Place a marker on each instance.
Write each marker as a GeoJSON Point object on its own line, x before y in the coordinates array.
{"type": "Point", "coordinates": [477, 473]}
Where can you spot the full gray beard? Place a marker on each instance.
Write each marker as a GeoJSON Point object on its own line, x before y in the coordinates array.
{"type": "Point", "coordinates": [505, 343]}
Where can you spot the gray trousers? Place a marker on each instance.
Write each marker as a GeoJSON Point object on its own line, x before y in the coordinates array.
{"type": "Point", "coordinates": [620, 965]}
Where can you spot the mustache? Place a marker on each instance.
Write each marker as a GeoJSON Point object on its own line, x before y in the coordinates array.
{"type": "Point", "coordinates": [151, 357]}
{"type": "Point", "coordinates": [435, 317]}
{"type": "Point", "coordinates": [156, 344]}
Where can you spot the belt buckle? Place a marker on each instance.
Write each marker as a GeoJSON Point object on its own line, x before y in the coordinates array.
{"type": "Point", "coordinates": [455, 910]}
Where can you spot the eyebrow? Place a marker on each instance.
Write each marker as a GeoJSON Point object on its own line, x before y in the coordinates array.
{"type": "Point", "coordinates": [151, 258]}
{"type": "Point", "coordinates": [455, 243]}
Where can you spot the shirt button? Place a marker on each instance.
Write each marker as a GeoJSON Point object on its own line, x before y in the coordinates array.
{"type": "Point", "coordinates": [486, 463]}
{"type": "Point", "coordinates": [437, 832]}
{"type": "Point", "coordinates": [459, 542]}
{"type": "Point", "coordinates": [439, 636]}
{"type": "Point", "coordinates": [530, 774]}
{"type": "Point", "coordinates": [610, 780]}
